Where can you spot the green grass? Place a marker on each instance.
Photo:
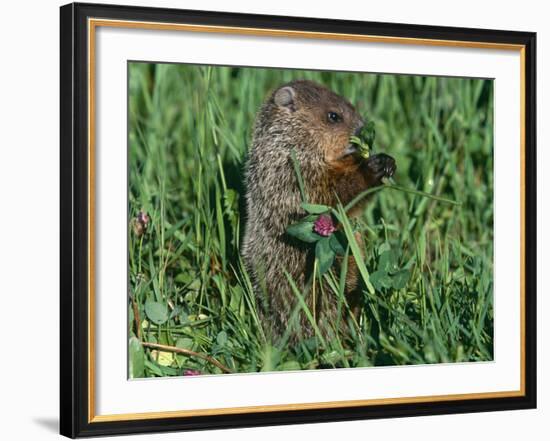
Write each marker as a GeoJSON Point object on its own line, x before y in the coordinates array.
{"type": "Point", "coordinates": [189, 130]}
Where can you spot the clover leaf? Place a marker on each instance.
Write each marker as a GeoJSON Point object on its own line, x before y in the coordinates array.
{"type": "Point", "coordinates": [338, 242]}
{"type": "Point", "coordinates": [324, 254]}
{"type": "Point", "coordinates": [388, 275]}
{"type": "Point", "coordinates": [315, 208]}
{"type": "Point", "coordinates": [303, 231]}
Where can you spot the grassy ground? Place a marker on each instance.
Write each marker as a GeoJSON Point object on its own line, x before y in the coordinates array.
{"type": "Point", "coordinates": [189, 130]}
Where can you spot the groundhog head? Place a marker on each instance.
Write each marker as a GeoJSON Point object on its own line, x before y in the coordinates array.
{"type": "Point", "coordinates": [317, 119]}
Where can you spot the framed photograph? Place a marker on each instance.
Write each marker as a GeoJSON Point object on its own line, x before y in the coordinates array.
{"type": "Point", "coordinates": [271, 220]}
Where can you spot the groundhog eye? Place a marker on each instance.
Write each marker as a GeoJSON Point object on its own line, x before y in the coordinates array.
{"type": "Point", "coordinates": [333, 117]}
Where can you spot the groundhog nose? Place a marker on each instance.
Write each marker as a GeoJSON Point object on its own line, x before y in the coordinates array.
{"type": "Point", "coordinates": [358, 130]}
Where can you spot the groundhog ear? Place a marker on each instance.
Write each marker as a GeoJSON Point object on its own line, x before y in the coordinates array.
{"type": "Point", "coordinates": [284, 97]}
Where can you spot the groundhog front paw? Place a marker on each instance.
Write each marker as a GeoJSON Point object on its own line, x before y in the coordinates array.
{"type": "Point", "coordinates": [380, 166]}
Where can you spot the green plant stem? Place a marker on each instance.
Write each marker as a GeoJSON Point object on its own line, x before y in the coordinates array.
{"type": "Point", "coordinates": [365, 193]}
{"type": "Point", "coordinates": [423, 194]}
{"type": "Point", "coordinates": [188, 353]}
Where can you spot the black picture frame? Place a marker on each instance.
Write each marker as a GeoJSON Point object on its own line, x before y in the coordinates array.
{"type": "Point", "coordinates": [74, 270]}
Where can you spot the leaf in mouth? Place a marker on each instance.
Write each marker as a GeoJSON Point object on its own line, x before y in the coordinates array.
{"type": "Point", "coordinates": [365, 139]}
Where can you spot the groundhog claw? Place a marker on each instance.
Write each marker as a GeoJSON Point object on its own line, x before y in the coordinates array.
{"type": "Point", "coordinates": [381, 166]}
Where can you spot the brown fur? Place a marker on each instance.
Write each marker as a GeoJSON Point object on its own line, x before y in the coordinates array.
{"type": "Point", "coordinates": [295, 117]}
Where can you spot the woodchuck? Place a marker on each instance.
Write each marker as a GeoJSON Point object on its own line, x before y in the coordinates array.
{"type": "Point", "coordinates": [317, 124]}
